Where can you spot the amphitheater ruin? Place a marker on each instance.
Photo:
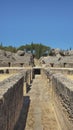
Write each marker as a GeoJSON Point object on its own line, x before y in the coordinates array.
{"type": "Point", "coordinates": [36, 97]}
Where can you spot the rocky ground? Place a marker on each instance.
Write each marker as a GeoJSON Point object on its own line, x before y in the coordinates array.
{"type": "Point", "coordinates": [37, 112]}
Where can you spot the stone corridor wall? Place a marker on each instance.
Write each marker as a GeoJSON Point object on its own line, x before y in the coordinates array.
{"type": "Point", "coordinates": [11, 100]}
{"type": "Point", "coordinates": [62, 98]}
{"type": "Point", "coordinates": [63, 70]}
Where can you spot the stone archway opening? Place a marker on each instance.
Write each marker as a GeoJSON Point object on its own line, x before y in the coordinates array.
{"type": "Point", "coordinates": [9, 64]}
{"type": "Point", "coordinates": [37, 71]}
{"type": "Point", "coordinates": [64, 64]}
{"type": "Point", "coordinates": [52, 64]}
{"type": "Point", "coordinates": [21, 64]}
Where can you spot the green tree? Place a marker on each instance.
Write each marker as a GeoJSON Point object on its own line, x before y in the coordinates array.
{"type": "Point", "coordinates": [1, 45]}
{"type": "Point", "coordinates": [36, 49]}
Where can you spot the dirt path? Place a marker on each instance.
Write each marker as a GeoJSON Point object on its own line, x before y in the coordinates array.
{"type": "Point", "coordinates": [39, 108]}
{"type": "Point", "coordinates": [36, 62]}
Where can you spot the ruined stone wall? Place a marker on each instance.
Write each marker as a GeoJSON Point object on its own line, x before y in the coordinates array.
{"type": "Point", "coordinates": [11, 100]}
{"type": "Point", "coordinates": [62, 98]}
{"type": "Point", "coordinates": [62, 70]}
{"type": "Point", "coordinates": [3, 64]}
{"type": "Point", "coordinates": [62, 89]}
{"type": "Point", "coordinates": [9, 70]}
{"type": "Point", "coordinates": [21, 64]}
{"type": "Point", "coordinates": [68, 65]}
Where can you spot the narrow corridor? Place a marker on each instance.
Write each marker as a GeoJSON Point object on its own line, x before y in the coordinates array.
{"type": "Point", "coordinates": [37, 112]}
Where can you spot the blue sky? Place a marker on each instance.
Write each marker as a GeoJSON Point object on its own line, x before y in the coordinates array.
{"type": "Point", "coordinates": [42, 21]}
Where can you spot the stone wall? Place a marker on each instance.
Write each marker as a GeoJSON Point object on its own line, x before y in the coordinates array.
{"type": "Point", "coordinates": [28, 80]}
{"type": "Point", "coordinates": [61, 70]}
{"type": "Point", "coordinates": [62, 98]}
{"type": "Point", "coordinates": [11, 100]}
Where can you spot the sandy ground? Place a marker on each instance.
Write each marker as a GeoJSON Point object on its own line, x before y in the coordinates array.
{"type": "Point", "coordinates": [70, 77]}
{"type": "Point", "coordinates": [37, 112]}
{"type": "Point", "coordinates": [4, 76]}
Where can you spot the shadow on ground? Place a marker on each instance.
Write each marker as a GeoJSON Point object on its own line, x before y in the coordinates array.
{"type": "Point", "coordinates": [28, 88]}
{"type": "Point", "coordinates": [21, 123]}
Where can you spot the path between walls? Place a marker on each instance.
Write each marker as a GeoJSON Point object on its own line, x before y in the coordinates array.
{"type": "Point", "coordinates": [37, 112]}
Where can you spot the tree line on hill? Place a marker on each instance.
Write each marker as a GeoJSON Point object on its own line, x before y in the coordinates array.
{"type": "Point", "coordinates": [37, 50]}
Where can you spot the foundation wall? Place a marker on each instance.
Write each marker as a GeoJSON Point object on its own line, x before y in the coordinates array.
{"type": "Point", "coordinates": [62, 70]}
{"type": "Point", "coordinates": [11, 99]}
{"type": "Point", "coordinates": [62, 98]}
{"type": "Point", "coordinates": [62, 93]}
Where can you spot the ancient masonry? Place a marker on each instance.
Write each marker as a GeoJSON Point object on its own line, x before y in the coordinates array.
{"type": "Point", "coordinates": [62, 97]}
{"type": "Point", "coordinates": [58, 58]}
{"type": "Point", "coordinates": [19, 59]}
{"type": "Point", "coordinates": [11, 99]}
{"type": "Point", "coordinates": [14, 88]}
